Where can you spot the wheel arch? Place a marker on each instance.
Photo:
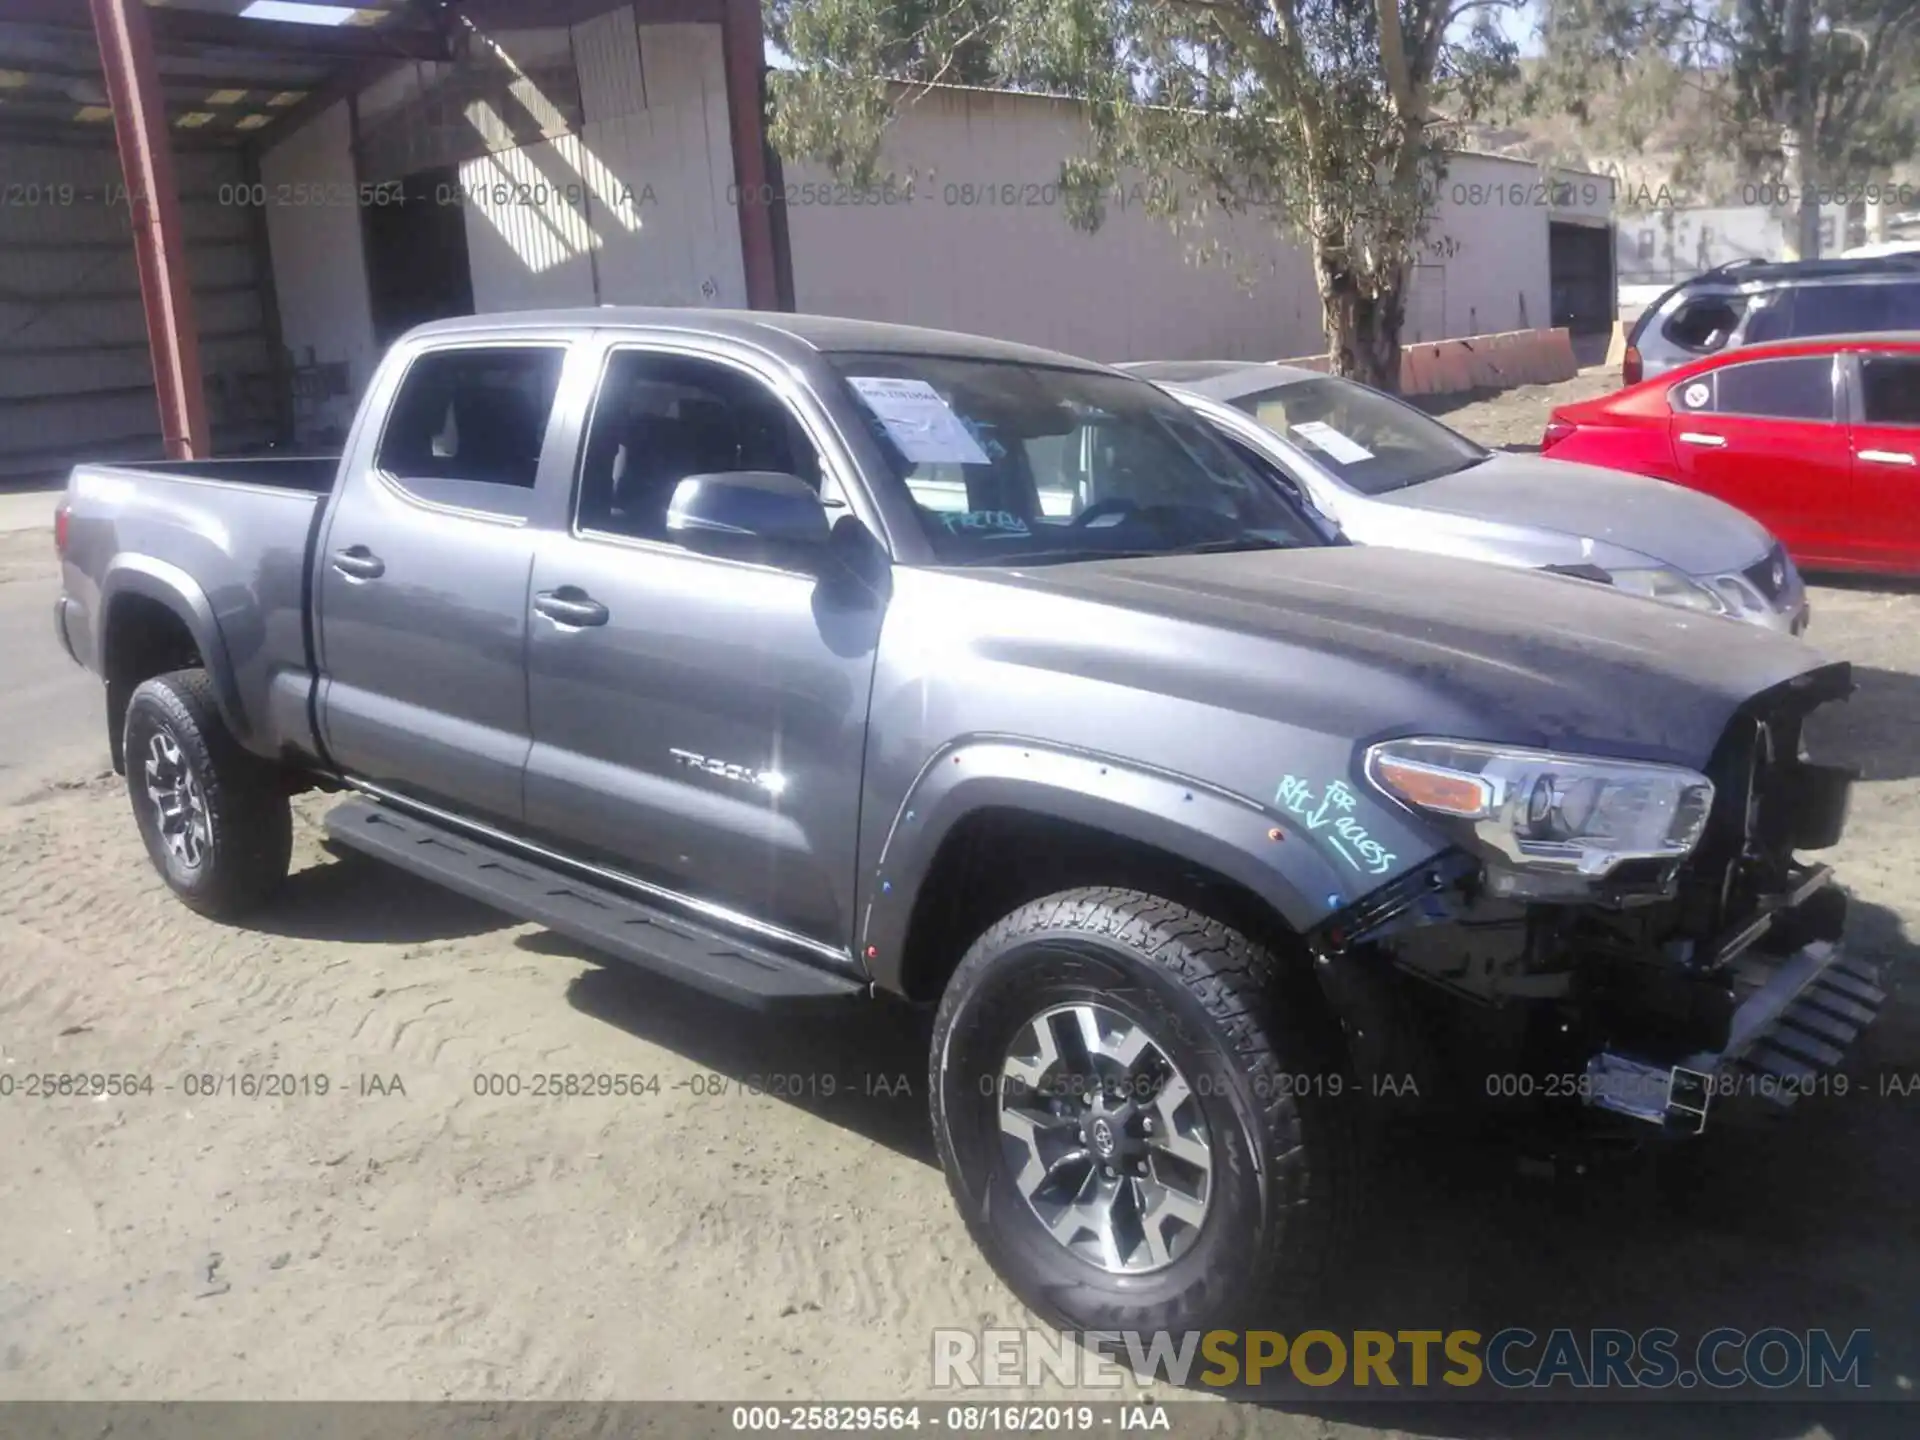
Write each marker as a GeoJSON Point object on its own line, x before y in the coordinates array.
{"type": "Point", "coordinates": [154, 618]}
{"type": "Point", "coordinates": [991, 823]}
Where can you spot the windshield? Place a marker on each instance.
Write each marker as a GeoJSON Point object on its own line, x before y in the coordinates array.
{"type": "Point", "coordinates": [1011, 463]}
{"type": "Point", "coordinates": [1367, 441]}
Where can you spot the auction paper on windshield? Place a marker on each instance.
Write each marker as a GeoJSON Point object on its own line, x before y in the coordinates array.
{"type": "Point", "coordinates": [919, 421]}
{"type": "Point", "coordinates": [1324, 438]}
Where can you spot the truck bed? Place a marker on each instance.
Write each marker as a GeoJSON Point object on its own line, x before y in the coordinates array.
{"type": "Point", "coordinates": [226, 545]}
{"type": "Point", "coordinates": [312, 473]}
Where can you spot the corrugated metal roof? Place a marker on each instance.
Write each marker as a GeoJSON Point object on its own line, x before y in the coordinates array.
{"type": "Point", "coordinates": [228, 68]}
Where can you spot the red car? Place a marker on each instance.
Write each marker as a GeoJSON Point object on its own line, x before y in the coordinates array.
{"type": "Point", "coordinates": [1818, 439]}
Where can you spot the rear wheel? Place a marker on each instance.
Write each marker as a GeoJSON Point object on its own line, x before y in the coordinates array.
{"type": "Point", "coordinates": [1140, 1115]}
{"type": "Point", "coordinates": [215, 819]}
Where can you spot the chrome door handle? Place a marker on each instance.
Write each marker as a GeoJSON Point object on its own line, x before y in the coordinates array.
{"type": "Point", "coordinates": [357, 562]}
{"type": "Point", "coordinates": [1887, 457]}
{"type": "Point", "coordinates": [1695, 437]}
{"type": "Point", "coordinates": [570, 605]}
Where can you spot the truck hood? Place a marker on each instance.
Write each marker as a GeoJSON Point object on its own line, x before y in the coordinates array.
{"type": "Point", "coordinates": [1370, 641]}
{"type": "Point", "coordinates": [1591, 511]}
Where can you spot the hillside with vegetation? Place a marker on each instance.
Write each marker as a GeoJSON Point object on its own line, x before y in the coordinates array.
{"type": "Point", "coordinates": [1658, 133]}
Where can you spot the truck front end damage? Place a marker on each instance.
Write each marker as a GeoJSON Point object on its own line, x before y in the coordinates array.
{"type": "Point", "coordinates": [1644, 941]}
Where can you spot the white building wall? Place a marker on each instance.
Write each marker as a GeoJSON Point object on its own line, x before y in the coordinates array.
{"type": "Point", "coordinates": [1583, 197]}
{"type": "Point", "coordinates": [319, 267]}
{"type": "Point", "coordinates": [678, 240]}
{"type": "Point", "coordinates": [960, 257]}
{"type": "Point", "coordinates": [1486, 252]}
{"type": "Point", "coordinates": [528, 220]}
{"type": "Point", "coordinates": [1663, 246]}
{"type": "Point", "coordinates": [635, 208]}
{"type": "Point", "coordinates": [1130, 291]}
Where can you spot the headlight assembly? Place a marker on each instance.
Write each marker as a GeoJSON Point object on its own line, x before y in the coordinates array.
{"type": "Point", "coordinates": [1537, 812]}
{"type": "Point", "coordinates": [1670, 587]}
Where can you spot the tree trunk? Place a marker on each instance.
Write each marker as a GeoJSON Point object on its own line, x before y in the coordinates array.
{"type": "Point", "coordinates": [1363, 329]}
{"type": "Point", "coordinates": [1805, 168]}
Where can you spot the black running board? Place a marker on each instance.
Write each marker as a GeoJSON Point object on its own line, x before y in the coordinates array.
{"type": "Point", "coordinates": [598, 916]}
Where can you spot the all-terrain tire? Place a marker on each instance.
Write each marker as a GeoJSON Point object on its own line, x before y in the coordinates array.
{"type": "Point", "coordinates": [1258, 1055]}
{"type": "Point", "coordinates": [232, 849]}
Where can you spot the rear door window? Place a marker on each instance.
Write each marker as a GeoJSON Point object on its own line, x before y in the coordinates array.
{"type": "Point", "coordinates": [468, 424]}
{"type": "Point", "coordinates": [1856, 309]}
{"type": "Point", "coordinates": [1770, 316]}
{"type": "Point", "coordinates": [1800, 388]}
{"type": "Point", "coordinates": [1890, 389]}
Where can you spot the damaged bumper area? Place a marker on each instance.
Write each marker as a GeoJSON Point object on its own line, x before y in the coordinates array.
{"type": "Point", "coordinates": [1796, 1018]}
{"type": "Point", "coordinates": [1662, 990]}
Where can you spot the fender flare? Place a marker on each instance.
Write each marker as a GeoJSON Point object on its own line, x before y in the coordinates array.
{"type": "Point", "coordinates": [1210, 827]}
{"type": "Point", "coordinates": [174, 588]}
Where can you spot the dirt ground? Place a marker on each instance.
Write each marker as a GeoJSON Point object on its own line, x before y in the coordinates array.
{"type": "Point", "coordinates": [406, 1235]}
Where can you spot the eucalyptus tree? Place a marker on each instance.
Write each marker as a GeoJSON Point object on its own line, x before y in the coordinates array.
{"type": "Point", "coordinates": [1329, 118]}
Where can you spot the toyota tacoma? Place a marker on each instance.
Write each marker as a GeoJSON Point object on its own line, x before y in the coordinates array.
{"type": "Point", "coordinates": [804, 658]}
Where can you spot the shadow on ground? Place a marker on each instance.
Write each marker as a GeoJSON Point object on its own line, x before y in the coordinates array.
{"type": "Point", "coordinates": [1890, 584]}
{"type": "Point", "coordinates": [1804, 1219]}
{"type": "Point", "coordinates": [861, 1065]}
{"type": "Point", "coordinates": [1877, 731]}
{"type": "Point", "coordinates": [356, 899]}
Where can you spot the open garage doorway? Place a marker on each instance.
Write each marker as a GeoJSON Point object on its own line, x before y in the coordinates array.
{"type": "Point", "coordinates": [1580, 272]}
{"type": "Point", "coordinates": [417, 263]}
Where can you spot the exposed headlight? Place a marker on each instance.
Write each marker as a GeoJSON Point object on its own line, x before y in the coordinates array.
{"type": "Point", "coordinates": [1540, 811]}
{"type": "Point", "coordinates": [1670, 586]}
{"type": "Point", "coordinates": [1737, 594]}
{"type": "Point", "coordinates": [1742, 592]}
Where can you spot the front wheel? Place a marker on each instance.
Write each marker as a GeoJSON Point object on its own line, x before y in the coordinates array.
{"type": "Point", "coordinates": [1141, 1116]}
{"type": "Point", "coordinates": [215, 819]}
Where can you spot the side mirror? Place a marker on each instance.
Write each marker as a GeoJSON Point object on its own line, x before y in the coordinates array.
{"type": "Point", "coordinates": [747, 505]}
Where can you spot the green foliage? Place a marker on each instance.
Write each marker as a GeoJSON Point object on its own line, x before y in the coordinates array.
{"type": "Point", "coordinates": [1330, 118]}
{"type": "Point", "coordinates": [1738, 63]}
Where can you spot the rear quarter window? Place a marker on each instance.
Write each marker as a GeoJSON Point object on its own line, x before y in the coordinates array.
{"type": "Point", "coordinates": [1704, 323]}
{"type": "Point", "coordinates": [1799, 388]}
{"type": "Point", "coordinates": [1890, 389]}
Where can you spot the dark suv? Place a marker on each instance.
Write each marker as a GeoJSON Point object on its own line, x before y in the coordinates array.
{"type": "Point", "coordinates": [1749, 301]}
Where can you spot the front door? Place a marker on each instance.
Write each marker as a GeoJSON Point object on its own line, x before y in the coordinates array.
{"type": "Point", "coordinates": [1886, 459]}
{"type": "Point", "coordinates": [1764, 436]}
{"type": "Point", "coordinates": [421, 582]}
{"type": "Point", "coordinates": [698, 720]}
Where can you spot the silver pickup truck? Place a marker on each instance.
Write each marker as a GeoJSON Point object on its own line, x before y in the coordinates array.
{"type": "Point", "coordinates": [799, 658]}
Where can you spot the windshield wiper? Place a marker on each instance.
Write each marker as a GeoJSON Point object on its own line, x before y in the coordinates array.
{"type": "Point", "coordinates": [1409, 483]}
{"type": "Point", "coordinates": [1222, 547]}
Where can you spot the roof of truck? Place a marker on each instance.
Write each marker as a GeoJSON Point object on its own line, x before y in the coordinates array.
{"type": "Point", "coordinates": [775, 330]}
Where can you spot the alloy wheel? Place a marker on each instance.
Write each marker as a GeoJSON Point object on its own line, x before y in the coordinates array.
{"type": "Point", "coordinates": [1105, 1138]}
{"type": "Point", "coordinates": [180, 806]}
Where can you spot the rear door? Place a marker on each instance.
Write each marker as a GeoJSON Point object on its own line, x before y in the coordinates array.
{"type": "Point", "coordinates": [699, 719]}
{"type": "Point", "coordinates": [1765, 436]}
{"type": "Point", "coordinates": [421, 578]}
{"type": "Point", "coordinates": [1885, 388]}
